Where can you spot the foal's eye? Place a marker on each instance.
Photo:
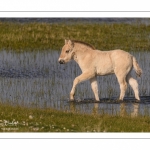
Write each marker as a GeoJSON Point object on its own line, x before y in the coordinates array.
{"type": "Point", "coordinates": [67, 51]}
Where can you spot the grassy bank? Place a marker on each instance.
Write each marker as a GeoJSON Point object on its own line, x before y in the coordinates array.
{"type": "Point", "coordinates": [40, 36]}
{"type": "Point", "coordinates": [19, 119]}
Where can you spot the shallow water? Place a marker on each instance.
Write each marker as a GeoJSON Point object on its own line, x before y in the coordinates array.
{"type": "Point", "coordinates": [67, 20]}
{"type": "Point", "coordinates": [36, 79]}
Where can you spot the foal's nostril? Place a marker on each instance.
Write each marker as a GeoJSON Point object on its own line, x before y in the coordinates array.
{"type": "Point", "coordinates": [61, 61]}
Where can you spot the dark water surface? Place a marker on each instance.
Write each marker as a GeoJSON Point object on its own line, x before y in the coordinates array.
{"type": "Point", "coordinates": [36, 79]}
{"type": "Point", "coordinates": [79, 20]}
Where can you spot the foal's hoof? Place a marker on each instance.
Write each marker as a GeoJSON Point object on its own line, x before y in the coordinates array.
{"type": "Point", "coordinates": [137, 101]}
{"type": "Point", "coordinates": [96, 101]}
{"type": "Point", "coordinates": [119, 101]}
{"type": "Point", "coordinates": [71, 100]}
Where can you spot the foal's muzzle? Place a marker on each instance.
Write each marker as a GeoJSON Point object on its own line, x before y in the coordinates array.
{"type": "Point", "coordinates": [61, 61]}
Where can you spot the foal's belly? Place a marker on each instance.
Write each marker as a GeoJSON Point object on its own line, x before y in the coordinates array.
{"type": "Point", "coordinates": [105, 71]}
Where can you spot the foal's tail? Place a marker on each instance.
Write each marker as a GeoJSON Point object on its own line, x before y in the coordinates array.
{"type": "Point", "coordinates": [138, 70]}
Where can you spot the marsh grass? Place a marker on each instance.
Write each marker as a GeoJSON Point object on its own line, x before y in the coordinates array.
{"type": "Point", "coordinates": [41, 36]}
{"type": "Point", "coordinates": [22, 119]}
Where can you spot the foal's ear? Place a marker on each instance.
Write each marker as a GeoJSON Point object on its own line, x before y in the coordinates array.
{"type": "Point", "coordinates": [66, 41]}
{"type": "Point", "coordinates": [70, 43]}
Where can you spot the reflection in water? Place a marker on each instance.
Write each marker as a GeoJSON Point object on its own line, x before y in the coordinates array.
{"type": "Point", "coordinates": [133, 112]}
{"type": "Point", "coordinates": [72, 107]}
{"type": "Point", "coordinates": [130, 109]}
{"type": "Point", "coordinates": [122, 109]}
{"type": "Point", "coordinates": [95, 108]}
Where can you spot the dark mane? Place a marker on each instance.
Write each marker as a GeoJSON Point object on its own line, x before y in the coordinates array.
{"type": "Point", "coordinates": [80, 42]}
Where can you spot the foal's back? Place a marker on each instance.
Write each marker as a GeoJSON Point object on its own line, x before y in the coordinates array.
{"type": "Point", "coordinates": [121, 59]}
{"type": "Point", "coordinates": [107, 62]}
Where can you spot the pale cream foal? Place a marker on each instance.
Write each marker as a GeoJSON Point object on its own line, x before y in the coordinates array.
{"type": "Point", "coordinates": [99, 63]}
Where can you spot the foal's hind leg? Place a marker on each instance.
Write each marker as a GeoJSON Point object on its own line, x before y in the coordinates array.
{"type": "Point", "coordinates": [133, 83]}
{"type": "Point", "coordinates": [123, 85]}
{"type": "Point", "coordinates": [84, 76]}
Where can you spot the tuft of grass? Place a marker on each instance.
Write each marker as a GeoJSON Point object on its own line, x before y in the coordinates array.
{"type": "Point", "coordinates": [41, 36]}
{"type": "Point", "coordinates": [21, 119]}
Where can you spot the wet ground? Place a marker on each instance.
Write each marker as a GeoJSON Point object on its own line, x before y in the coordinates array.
{"type": "Point", "coordinates": [143, 100]}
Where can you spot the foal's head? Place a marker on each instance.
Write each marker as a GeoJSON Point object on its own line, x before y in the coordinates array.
{"type": "Point", "coordinates": [67, 52]}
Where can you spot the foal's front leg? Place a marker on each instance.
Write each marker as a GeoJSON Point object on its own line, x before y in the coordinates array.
{"type": "Point", "coordinates": [84, 76]}
{"type": "Point", "coordinates": [94, 87]}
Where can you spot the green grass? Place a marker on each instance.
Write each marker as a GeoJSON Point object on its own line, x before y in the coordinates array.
{"type": "Point", "coordinates": [41, 36]}
{"type": "Point", "coordinates": [20, 119]}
